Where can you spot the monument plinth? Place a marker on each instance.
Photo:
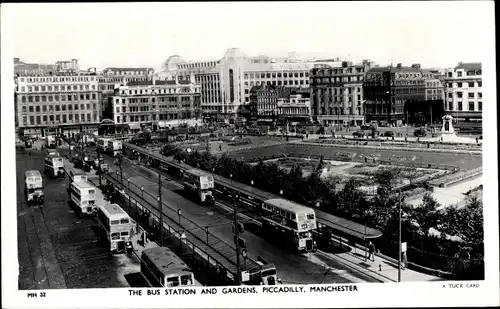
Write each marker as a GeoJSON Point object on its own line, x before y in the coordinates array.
{"type": "Point", "coordinates": [447, 131]}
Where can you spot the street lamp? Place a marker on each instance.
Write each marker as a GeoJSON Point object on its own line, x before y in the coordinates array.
{"type": "Point", "coordinates": [245, 256]}
{"type": "Point", "coordinates": [179, 212]}
{"type": "Point", "coordinates": [206, 231]}
{"type": "Point", "coordinates": [281, 192]}
{"type": "Point", "coordinates": [142, 192]}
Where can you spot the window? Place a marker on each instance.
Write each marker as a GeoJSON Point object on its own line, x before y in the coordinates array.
{"type": "Point", "coordinates": [471, 106]}
{"type": "Point", "coordinates": [479, 94]}
{"type": "Point", "coordinates": [76, 107]}
{"type": "Point", "coordinates": [70, 107]}
{"type": "Point", "coordinates": [88, 105]}
{"type": "Point", "coordinates": [93, 96]}
{"type": "Point", "coordinates": [58, 118]}
{"type": "Point", "coordinates": [64, 118]}
{"type": "Point", "coordinates": [81, 97]}
{"type": "Point", "coordinates": [56, 97]}
{"type": "Point", "coordinates": [459, 85]}
{"type": "Point", "coordinates": [30, 99]}
{"type": "Point", "coordinates": [37, 108]}
{"type": "Point", "coordinates": [30, 109]}
{"type": "Point", "coordinates": [44, 108]}
{"type": "Point", "coordinates": [63, 107]}
{"type": "Point", "coordinates": [32, 120]}
{"type": "Point", "coordinates": [459, 74]}
{"type": "Point", "coordinates": [58, 108]}
{"type": "Point", "coordinates": [24, 109]}
{"type": "Point", "coordinates": [471, 95]}
{"type": "Point", "coordinates": [23, 99]}
{"type": "Point", "coordinates": [50, 98]}
{"type": "Point", "coordinates": [471, 84]}
{"type": "Point", "coordinates": [87, 96]}
{"type": "Point", "coordinates": [37, 98]}
{"type": "Point", "coordinates": [44, 118]}
{"type": "Point", "coordinates": [480, 106]}
{"type": "Point", "coordinates": [82, 106]}
{"type": "Point", "coordinates": [44, 98]}
{"type": "Point", "coordinates": [69, 97]}
{"type": "Point", "coordinates": [459, 94]}
{"type": "Point", "coordinates": [480, 84]}
{"type": "Point", "coordinates": [460, 107]}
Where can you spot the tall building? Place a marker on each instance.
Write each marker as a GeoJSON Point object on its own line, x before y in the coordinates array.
{"type": "Point", "coordinates": [226, 82]}
{"type": "Point", "coordinates": [65, 104]}
{"type": "Point", "coordinates": [32, 69]}
{"type": "Point", "coordinates": [296, 107]}
{"type": "Point", "coordinates": [337, 92]}
{"type": "Point", "coordinates": [111, 78]}
{"type": "Point", "coordinates": [156, 103]}
{"type": "Point", "coordinates": [464, 96]}
{"type": "Point", "coordinates": [388, 90]}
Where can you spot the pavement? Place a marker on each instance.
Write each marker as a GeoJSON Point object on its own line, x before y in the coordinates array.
{"type": "Point", "coordinates": [451, 194]}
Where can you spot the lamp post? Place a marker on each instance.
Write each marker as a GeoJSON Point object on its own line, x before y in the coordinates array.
{"type": "Point", "coordinates": [206, 231]}
{"type": "Point", "coordinates": [142, 191]}
{"type": "Point", "coordinates": [281, 192]}
{"type": "Point", "coordinates": [161, 219]}
{"type": "Point", "coordinates": [179, 213]}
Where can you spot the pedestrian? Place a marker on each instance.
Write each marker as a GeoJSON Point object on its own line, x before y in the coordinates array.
{"type": "Point", "coordinates": [29, 153]}
{"type": "Point", "coordinates": [371, 251]}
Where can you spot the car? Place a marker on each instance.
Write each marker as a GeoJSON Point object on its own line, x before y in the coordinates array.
{"type": "Point", "coordinates": [366, 127]}
{"type": "Point", "coordinates": [358, 134]}
{"type": "Point", "coordinates": [420, 132]}
{"type": "Point", "coordinates": [389, 134]}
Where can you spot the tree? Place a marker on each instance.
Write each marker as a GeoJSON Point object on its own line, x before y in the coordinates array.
{"type": "Point", "coordinates": [426, 214]}
{"type": "Point", "coordinates": [471, 223]}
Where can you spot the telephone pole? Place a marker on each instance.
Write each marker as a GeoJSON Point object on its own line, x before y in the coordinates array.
{"type": "Point", "coordinates": [237, 240]}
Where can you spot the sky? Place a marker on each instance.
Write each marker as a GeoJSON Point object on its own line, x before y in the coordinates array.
{"type": "Point", "coordinates": [434, 33]}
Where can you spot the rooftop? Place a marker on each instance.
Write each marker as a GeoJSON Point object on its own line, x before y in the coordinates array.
{"type": "Point", "coordinates": [165, 260]}
{"type": "Point", "coordinates": [288, 205]}
{"type": "Point", "coordinates": [469, 66]}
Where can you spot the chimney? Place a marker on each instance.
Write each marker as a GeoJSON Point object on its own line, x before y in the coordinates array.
{"type": "Point", "coordinates": [416, 66]}
{"type": "Point", "coordinates": [399, 65]}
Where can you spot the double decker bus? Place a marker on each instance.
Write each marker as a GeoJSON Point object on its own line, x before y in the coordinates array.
{"type": "Point", "coordinates": [290, 223]}
{"type": "Point", "coordinates": [83, 195]}
{"type": "Point", "coordinates": [199, 184]}
{"type": "Point", "coordinates": [116, 226]}
{"type": "Point", "coordinates": [102, 143]}
{"type": "Point", "coordinates": [162, 268]}
{"type": "Point", "coordinates": [33, 187]}
{"type": "Point", "coordinates": [54, 165]}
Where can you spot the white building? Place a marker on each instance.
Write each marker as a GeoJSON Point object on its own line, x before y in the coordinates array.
{"type": "Point", "coordinates": [56, 104]}
{"type": "Point", "coordinates": [464, 94]}
{"type": "Point", "coordinates": [156, 103]}
{"type": "Point", "coordinates": [226, 83]}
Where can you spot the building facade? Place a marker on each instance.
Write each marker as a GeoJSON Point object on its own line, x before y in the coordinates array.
{"type": "Point", "coordinates": [111, 78]}
{"type": "Point", "coordinates": [388, 90]}
{"type": "Point", "coordinates": [464, 96]}
{"type": "Point", "coordinates": [65, 104]}
{"type": "Point", "coordinates": [156, 103]}
{"type": "Point", "coordinates": [226, 83]}
{"type": "Point", "coordinates": [337, 93]}
{"type": "Point", "coordinates": [296, 107]}
{"type": "Point", "coordinates": [434, 89]}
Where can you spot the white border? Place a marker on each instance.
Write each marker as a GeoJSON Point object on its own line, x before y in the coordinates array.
{"type": "Point", "coordinates": [369, 295]}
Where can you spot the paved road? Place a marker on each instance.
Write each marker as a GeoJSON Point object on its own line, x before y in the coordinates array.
{"type": "Point", "coordinates": [292, 268]}
{"type": "Point", "coordinates": [462, 161]}
{"type": "Point", "coordinates": [56, 247]}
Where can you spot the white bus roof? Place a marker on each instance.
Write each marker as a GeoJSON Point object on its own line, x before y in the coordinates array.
{"type": "Point", "coordinates": [111, 210]}
{"type": "Point", "coordinates": [197, 172]}
{"type": "Point", "coordinates": [53, 156]}
{"type": "Point", "coordinates": [83, 185]}
{"type": "Point", "coordinates": [288, 205]}
{"type": "Point", "coordinates": [166, 261]}
{"type": "Point", "coordinates": [32, 173]}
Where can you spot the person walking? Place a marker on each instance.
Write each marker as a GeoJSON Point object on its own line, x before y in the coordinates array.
{"type": "Point", "coordinates": [371, 251]}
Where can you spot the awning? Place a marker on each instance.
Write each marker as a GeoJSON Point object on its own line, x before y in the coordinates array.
{"type": "Point", "coordinates": [346, 226]}
{"type": "Point", "coordinates": [134, 126]}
